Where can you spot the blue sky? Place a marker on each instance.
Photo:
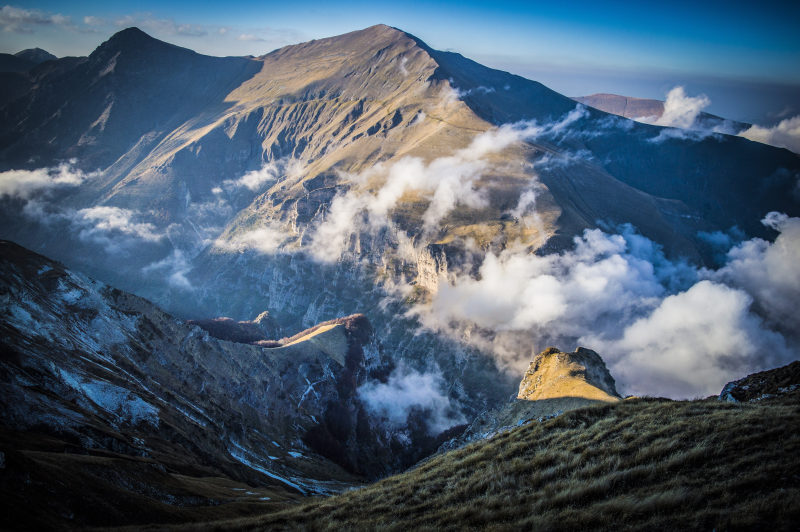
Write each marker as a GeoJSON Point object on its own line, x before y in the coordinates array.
{"type": "Point", "coordinates": [744, 55]}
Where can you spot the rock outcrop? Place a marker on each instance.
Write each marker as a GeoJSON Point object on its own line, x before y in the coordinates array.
{"type": "Point", "coordinates": [581, 374]}
{"type": "Point", "coordinates": [776, 382]}
{"type": "Point", "coordinates": [554, 383]}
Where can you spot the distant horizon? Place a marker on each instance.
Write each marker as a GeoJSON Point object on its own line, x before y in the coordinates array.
{"type": "Point", "coordinates": [743, 58]}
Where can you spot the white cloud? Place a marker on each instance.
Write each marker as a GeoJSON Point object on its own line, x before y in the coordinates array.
{"type": "Point", "coordinates": [25, 184]}
{"type": "Point", "coordinates": [113, 228]}
{"type": "Point", "coordinates": [681, 116]}
{"type": "Point", "coordinates": [684, 134]}
{"type": "Point", "coordinates": [694, 343]}
{"type": "Point", "coordinates": [681, 110]}
{"type": "Point", "coordinates": [250, 37]}
{"type": "Point", "coordinates": [663, 327]}
{"type": "Point", "coordinates": [770, 272]}
{"type": "Point", "coordinates": [406, 390]}
{"type": "Point", "coordinates": [266, 239]}
{"type": "Point", "coordinates": [402, 66]}
{"type": "Point", "coordinates": [268, 174]}
{"type": "Point", "coordinates": [108, 219]}
{"type": "Point", "coordinates": [602, 278]}
{"type": "Point", "coordinates": [90, 20]}
{"type": "Point", "coordinates": [786, 134]}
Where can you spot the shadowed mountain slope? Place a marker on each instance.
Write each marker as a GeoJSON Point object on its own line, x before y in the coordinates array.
{"type": "Point", "coordinates": [110, 407]}
{"type": "Point", "coordinates": [127, 94]}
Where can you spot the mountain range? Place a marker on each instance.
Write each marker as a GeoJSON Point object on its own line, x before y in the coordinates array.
{"type": "Point", "coordinates": [428, 224]}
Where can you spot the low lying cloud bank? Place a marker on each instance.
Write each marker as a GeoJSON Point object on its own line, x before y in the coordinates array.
{"type": "Point", "coordinates": [664, 327]}
{"type": "Point", "coordinates": [25, 184]}
{"type": "Point", "coordinates": [786, 134]}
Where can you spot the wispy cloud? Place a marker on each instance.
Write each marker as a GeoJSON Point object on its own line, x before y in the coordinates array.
{"type": "Point", "coordinates": [25, 184]}
{"type": "Point", "coordinates": [162, 26]}
{"type": "Point", "coordinates": [114, 228]}
{"type": "Point", "coordinates": [21, 20]}
{"type": "Point", "coordinates": [682, 114]}
{"type": "Point", "coordinates": [407, 390]}
{"type": "Point", "coordinates": [268, 174]}
{"type": "Point", "coordinates": [265, 239]}
{"type": "Point", "coordinates": [174, 268]}
{"type": "Point", "coordinates": [250, 37]}
{"type": "Point", "coordinates": [444, 183]}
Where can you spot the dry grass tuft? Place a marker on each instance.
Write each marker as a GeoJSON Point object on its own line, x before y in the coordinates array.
{"type": "Point", "coordinates": [642, 464]}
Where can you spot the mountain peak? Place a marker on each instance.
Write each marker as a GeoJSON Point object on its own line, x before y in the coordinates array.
{"type": "Point", "coordinates": [134, 39]}
{"type": "Point", "coordinates": [132, 31]}
{"type": "Point", "coordinates": [36, 55]}
{"type": "Point", "coordinates": [556, 374]}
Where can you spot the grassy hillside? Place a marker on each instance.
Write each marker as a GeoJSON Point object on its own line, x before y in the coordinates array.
{"type": "Point", "coordinates": [640, 464]}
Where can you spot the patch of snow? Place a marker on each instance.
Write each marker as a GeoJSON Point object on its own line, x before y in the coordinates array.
{"type": "Point", "coordinates": [71, 296]}
{"type": "Point", "coordinates": [190, 416]}
{"type": "Point", "coordinates": [20, 316]}
{"type": "Point", "coordinates": [295, 454]}
{"type": "Point", "coordinates": [44, 269]}
{"type": "Point", "coordinates": [123, 403]}
{"type": "Point", "coordinates": [239, 453]}
{"type": "Point", "coordinates": [309, 389]}
{"type": "Point", "coordinates": [263, 499]}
